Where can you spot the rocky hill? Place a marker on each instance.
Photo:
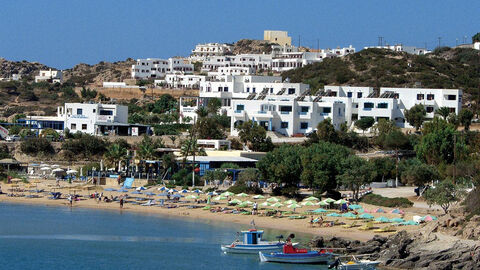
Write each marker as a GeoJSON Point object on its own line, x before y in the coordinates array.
{"type": "Point", "coordinates": [444, 68]}
{"type": "Point", "coordinates": [83, 74]}
{"type": "Point", "coordinates": [252, 46]}
{"type": "Point", "coordinates": [26, 69]}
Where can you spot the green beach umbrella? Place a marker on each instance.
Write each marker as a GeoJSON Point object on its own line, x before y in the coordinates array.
{"type": "Point", "coordinates": [382, 219]}
{"type": "Point", "coordinates": [329, 200]}
{"type": "Point", "coordinates": [227, 193]}
{"type": "Point", "coordinates": [259, 197]}
{"type": "Point", "coordinates": [248, 202]}
{"type": "Point", "coordinates": [319, 210]}
{"type": "Point", "coordinates": [323, 203]}
{"type": "Point", "coordinates": [294, 205]}
{"type": "Point", "coordinates": [242, 195]}
{"type": "Point", "coordinates": [333, 215]}
{"type": "Point", "coordinates": [191, 197]}
{"type": "Point", "coordinates": [290, 202]}
{"type": "Point", "coordinates": [235, 201]}
{"type": "Point", "coordinates": [349, 215]}
{"type": "Point", "coordinates": [220, 198]}
{"type": "Point", "coordinates": [311, 198]}
{"type": "Point", "coordinates": [242, 205]}
{"type": "Point", "coordinates": [273, 200]}
{"type": "Point", "coordinates": [366, 216]}
{"type": "Point", "coordinates": [341, 201]}
{"type": "Point", "coordinates": [206, 208]}
{"type": "Point", "coordinates": [308, 203]}
{"type": "Point", "coordinates": [277, 204]}
{"type": "Point", "coordinates": [265, 204]}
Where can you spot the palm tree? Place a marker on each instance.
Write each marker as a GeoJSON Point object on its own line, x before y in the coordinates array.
{"type": "Point", "coordinates": [202, 112]}
{"type": "Point", "coordinates": [146, 149]}
{"type": "Point", "coordinates": [115, 155]}
{"type": "Point", "coordinates": [443, 112]}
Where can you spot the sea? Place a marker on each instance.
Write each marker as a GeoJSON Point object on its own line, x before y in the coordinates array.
{"type": "Point", "coordinates": [53, 237]}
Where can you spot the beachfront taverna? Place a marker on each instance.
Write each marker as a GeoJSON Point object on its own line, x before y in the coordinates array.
{"type": "Point", "coordinates": [90, 118]}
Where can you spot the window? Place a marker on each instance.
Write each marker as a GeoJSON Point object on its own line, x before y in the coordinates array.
{"type": "Point", "coordinates": [326, 110]}
{"type": "Point", "coordinates": [84, 126]}
{"type": "Point", "coordinates": [271, 90]}
{"type": "Point", "coordinates": [420, 96]}
{"type": "Point", "coordinates": [304, 109]}
{"type": "Point", "coordinates": [94, 110]}
{"type": "Point", "coordinates": [220, 89]}
{"type": "Point", "coordinates": [382, 105]}
{"type": "Point", "coordinates": [79, 111]}
{"type": "Point", "coordinates": [349, 94]}
{"type": "Point", "coordinates": [303, 125]}
{"type": "Point", "coordinates": [291, 91]}
{"type": "Point", "coordinates": [73, 126]}
{"type": "Point", "coordinates": [452, 110]}
{"type": "Point", "coordinates": [253, 90]}
{"type": "Point", "coordinates": [285, 109]}
{"type": "Point", "coordinates": [284, 124]}
{"type": "Point", "coordinates": [240, 107]}
{"type": "Point", "coordinates": [359, 95]}
{"type": "Point", "coordinates": [106, 112]}
{"type": "Point", "coordinates": [430, 96]}
{"type": "Point", "coordinates": [248, 89]}
{"type": "Point", "coordinates": [429, 109]}
{"type": "Point", "coordinates": [451, 97]}
{"type": "Point", "coordinates": [225, 89]}
{"type": "Point", "coordinates": [368, 105]}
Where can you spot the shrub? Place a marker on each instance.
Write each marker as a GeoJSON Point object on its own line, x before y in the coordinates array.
{"type": "Point", "coordinates": [379, 200]}
{"type": "Point", "coordinates": [36, 146]}
{"type": "Point", "coordinates": [242, 188]}
{"type": "Point", "coordinates": [85, 145]}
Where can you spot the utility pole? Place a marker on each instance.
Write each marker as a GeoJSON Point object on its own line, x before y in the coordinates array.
{"type": "Point", "coordinates": [318, 45]}
{"type": "Point", "coordinates": [380, 41]}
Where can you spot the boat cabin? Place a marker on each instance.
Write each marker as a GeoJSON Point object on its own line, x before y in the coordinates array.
{"type": "Point", "coordinates": [252, 237]}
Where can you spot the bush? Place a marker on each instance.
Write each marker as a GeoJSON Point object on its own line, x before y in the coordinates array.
{"type": "Point", "coordinates": [169, 129]}
{"type": "Point", "coordinates": [85, 145]}
{"type": "Point", "coordinates": [242, 188]}
{"type": "Point", "coordinates": [379, 200]}
{"type": "Point", "coordinates": [290, 192]}
{"type": "Point", "coordinates": [36, 146]}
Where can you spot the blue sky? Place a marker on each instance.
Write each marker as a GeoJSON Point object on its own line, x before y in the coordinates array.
{"type": "Point", "coordinates": [63, 33]}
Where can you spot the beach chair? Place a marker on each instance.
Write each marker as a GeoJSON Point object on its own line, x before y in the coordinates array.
{"type": "Point", "coordinates": [351, 225]}
{"type": "Point", "coordinates": [366, 227]}
{"type": "Point", "coordinates": [385, 229]}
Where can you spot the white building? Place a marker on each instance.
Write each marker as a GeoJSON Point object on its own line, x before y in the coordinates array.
{"type": "Point", "coordinates": [476, 45]}
{"type": "Point", "coordinates": [203, 51]}
{"type": "Point", "coordinates": [233, 71]}
{"type": "Point", "coordinates": [342, 51]}
{"type": "Point", "coordinates": [402, 48]}
{"type": "Point", "coordinates": [181, 81]}
{"type": "Point", "coordinates": [256, 62]}
{"type": "Point", "coordinates": [291, 60]}
{"type": "Point", "coordinates": [53, 76]}
{"type": "Point", "coordinates": [158, 68]}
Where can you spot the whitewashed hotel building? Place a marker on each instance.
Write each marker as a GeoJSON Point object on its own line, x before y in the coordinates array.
{"type": "Point", "coordinates": [158, 68]}
{"type": "Point", "coordinates": [203, 51]}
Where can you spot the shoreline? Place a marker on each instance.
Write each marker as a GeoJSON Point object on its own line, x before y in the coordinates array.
{"type": "Point", "coordinates": [301, 226]}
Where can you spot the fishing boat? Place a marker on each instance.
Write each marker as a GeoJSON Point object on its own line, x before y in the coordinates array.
{"type": "Point", "coordinates": [301, 256]}
{"type": "Point", "coordinates": [252, 243]}
{"type": "Point", "coordinates": [354, 264]}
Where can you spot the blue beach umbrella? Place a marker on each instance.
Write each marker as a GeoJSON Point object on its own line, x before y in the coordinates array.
{"type": "Point", "coordinates": [334, 215]}
{"type": "Point", "coordinates": [349, 215]}
{"type": "Point", "coordinates": [366, 216]}
{"type": "Point", "coordinates": [162, 189]}
{"type": "Point", "coordinates": [382, 219]}
{"type": "Point", "coordinates": [197, 191]}
{"type": "Point", "coordinates": [319, 210]}
{"type": "Point", "coordinates": [184, 191]}
{"type": "Point", "coordinates": [354, 206]}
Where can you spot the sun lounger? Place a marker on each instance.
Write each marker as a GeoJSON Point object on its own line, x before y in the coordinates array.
{"type": "Point", "coordinates": [351, 225]}
{"type": "Point", "coordinates": [385, 229]}
{"type": "Point", "coordinates": [366, 227]}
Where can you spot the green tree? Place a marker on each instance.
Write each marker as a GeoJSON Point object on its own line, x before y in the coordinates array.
{"type": "Point", "coordinates": [476, 38]}
{"type": "Point", "coordinates": [209, 128]}
{"type": "Point", "coordinates": [364, 123]}
{"type": "Point", "coordinates": [147, 148]}
{"type": "Point", "coordinates": [201, 112]}
{"type": "Point", "coordinates": [326, 131]}
{"type": "Point", "coordinates": [415, 116]}
{"type": "Point", "coordinates": [445, 194]}
{"type": "Point", "coordinates": [165, 103]}
{"type": "Point", "coordinates": [382, 128]}
{"type": "Point", "coordinates": [356, 172]}
{"type": "Point", "coordinates": [214, 105]}
{"type": "Point", "coordinates": [396, 140]}
{"type": "Point", "coordinates": [465, 118]}
{"type": "Point", "coordinates": [115, 154]}
{"type": "Point", "coordinates": [248, 175]}
{"type": "Point", "coordinates": [251, 132]}
{"type": "Point", "coordinates": [321, 164]}
{"type": "Point", "coordinates": [419, 174]}
{"type": "Point", "coordinates": [443, 112]}
{"type": "Point", "coordinates": [37, 146]}
{"type": "Point", "coordinates": [384, 168]}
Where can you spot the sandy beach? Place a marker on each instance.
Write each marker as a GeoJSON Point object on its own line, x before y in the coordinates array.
{"type": "Point", "coordinates": [286, 224]}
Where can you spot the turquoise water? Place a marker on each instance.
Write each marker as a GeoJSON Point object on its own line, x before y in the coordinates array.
{"type": "Point", "coordinates": [39, 237]}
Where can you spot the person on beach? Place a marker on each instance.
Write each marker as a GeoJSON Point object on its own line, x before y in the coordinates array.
{"type": "Point", "coordinates": [121, 202]}
{"type": "Point", "coordinates": [70, 200]}
{"type": "Point", "coordinates": [255, 207]}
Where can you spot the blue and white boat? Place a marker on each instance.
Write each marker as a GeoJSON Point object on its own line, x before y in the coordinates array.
{"type": "Point", "coordinates": [252, 243]}
{"type": "Point", "coordinates": [300, 257]}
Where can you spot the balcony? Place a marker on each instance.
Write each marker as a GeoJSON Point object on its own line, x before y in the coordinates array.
{"type": "Point", "coordinates": [284, 112]}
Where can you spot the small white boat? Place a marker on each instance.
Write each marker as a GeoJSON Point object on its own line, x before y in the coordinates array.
{"type": "Point", "coordinates": [299, 257]}
{"type": "Point", "coordinates": [252, 243]}
{"type": "Point", "coordinates": [354, 264]}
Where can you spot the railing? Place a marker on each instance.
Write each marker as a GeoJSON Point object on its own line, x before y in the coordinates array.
{"type": "Point", "coordinates": [284, 112]}
{"type": "Point", "coordinates": [262, 112]}
{"type": "Point", "coordinates": [302, 113]}
{"type": "Point", "coordinates": [367, 109]}
{"type": "Point", "coordinates": [324, 114]}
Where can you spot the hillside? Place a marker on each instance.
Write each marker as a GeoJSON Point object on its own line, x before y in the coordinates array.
{"type": "Point", "coordinates": [444, 68]}
{"type": "Point", "coordinates": [83, 74]}
{"type": "Point", "coordinates": [26, 69]}
{"type": "Point", "coordinates": [247, 46]}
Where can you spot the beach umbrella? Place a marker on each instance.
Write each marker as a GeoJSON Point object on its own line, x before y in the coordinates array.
{"type": "Point", "coordinates": [294, 205]}
{"type": "Point", "coordinates": [172, 190]}
{"type": "Point", "coordinates": [349, 215]}
{"type": "Point", "coordinates": [322, 203]}
{"type": "Point", "coordinates": [162, 188]}
{"type": "Point", "coordinates": [72, 171]}
{"type": "Point", "coordinates": [308, 203]}
{"type": "Point", "coordinates": [242, 195]}
{"type": "Point", "coordinates": [410, 222]}
{"type": "Point", "coordinates": [55, 166]}
{"type": "Point", "coordinates": [379, 210]}
{"type": "Point", "coordinates": [248, 202]}
{"type": "Point", "coordinates": [341, 201]}
{"type": "Point", "coordinates": [212, 193]}
{"type": "Point", "coordinates": [192, 197]}
{"type": "Point", "coordinates": [57, 170]}
{"type": "Point", "coordinates": [417, 219]}
{"type": "Point", "coordinates": [354, 206]}
{"type": "Point", "coordinates": [198, 191]}
{"type": "Point", "coordinates": [259, 197]}
{"type": "Point", "coordinates": [235, 201]}
{"type": "Point", "coordinates": [366, 216]}
{"type": "Point", "coordinates": [227, 193]}
{"type": "Point", "coordinates": [140, 188]}
{"type": "Point", "coordinates": [311, 198]}
{"type": "Point", "coordinates": [265, 204]}
{"type": "Point", "coordinates": [243, 204]}
{"type": "Point", "coordinates": [397, 211]}
{"type": "Point", "coordinates": [45, 169]}
{"type": "Point", "coordinates": [319, 210]}
{"type": "Point", "coordinates": [398, 220]}
{"type": "Point", "coordinates": [220, 198]}
{"type": "Point", "coordinates": [109, 189]}
{"type": "Point", "coordinates": [290, 202]}
{"type": "Point", "coordinates": [329, 200]}
{"type": "Point", "coordinates": [277, 204]}
{"type": "Point", "coordinates": [184, 191]}
{"type": "Point", "coordinates": [333, 215]}
{"type": "Point", "coordinates": [382, 219]}
{"type": "Point", "coordinates": [273, 200]}
{"type": "Point", "coordinates": [429, 218]}
{"type": "Point", "coordinates": [136, 192]}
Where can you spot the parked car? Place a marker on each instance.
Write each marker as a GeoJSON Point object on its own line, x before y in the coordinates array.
{"type": "Point", "coordinates": [12, 138]}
